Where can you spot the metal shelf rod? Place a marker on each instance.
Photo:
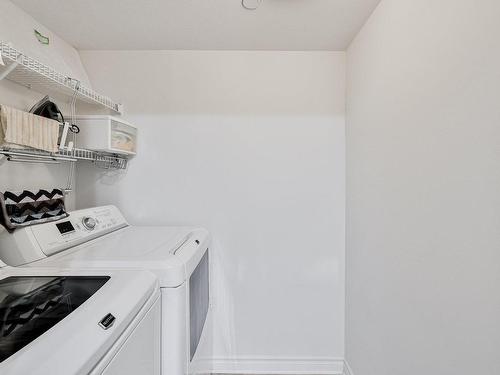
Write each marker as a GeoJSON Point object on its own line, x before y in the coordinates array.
{"type": "Point", "coordinates": [29, 160]}
{"type": "Point", "coordinates": [37, 156]}
{"type": "Point", "coordinates": [107, 161]}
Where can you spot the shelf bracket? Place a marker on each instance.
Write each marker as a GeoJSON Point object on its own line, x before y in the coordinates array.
{"type": "Point", "coordinates": [10, 68]}
{"type": "Point", "coordinates": [119, 108]}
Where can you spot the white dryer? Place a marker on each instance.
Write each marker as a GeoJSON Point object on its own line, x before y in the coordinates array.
{"type": "Point", "coordinates": [101, 238]}
{"type": "Point", "coordinates": [72, 322]}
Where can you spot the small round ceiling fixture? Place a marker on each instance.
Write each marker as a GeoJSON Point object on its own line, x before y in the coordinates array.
{"type": "Point", "coordinates": [250, 4]}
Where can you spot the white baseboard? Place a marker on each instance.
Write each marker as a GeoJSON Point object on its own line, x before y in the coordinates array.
{"type": "Point", "coordinates": [347, 369]}
{"type": "Point", "coordinates": [269, 366]}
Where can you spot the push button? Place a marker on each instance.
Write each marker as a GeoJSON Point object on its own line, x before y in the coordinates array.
{"type": "Point", "coordinates": [107, 321]}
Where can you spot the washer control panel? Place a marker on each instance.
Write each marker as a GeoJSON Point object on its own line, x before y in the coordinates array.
{"type": "Point", "coordinates": [81, 226]}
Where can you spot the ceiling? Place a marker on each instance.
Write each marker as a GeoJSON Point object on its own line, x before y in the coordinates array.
{"type": "Point", "coordinates": [202, 24]}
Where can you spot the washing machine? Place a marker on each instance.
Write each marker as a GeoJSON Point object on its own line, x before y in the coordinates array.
{"type": "Point", "coordinates": [68, 322]}
{"type": "Point", "coordinates": [101, 238]}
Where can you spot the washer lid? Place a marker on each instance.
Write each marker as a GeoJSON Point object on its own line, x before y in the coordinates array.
{"type": "Point", "coordinates": [171, 253]}
{"type": "Point", "coordinates": [50, 318]}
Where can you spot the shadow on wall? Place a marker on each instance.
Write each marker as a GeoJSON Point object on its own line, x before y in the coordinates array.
{"type": "Point", "coordinates": [222, 83]}
{"type": "Point", "coordinates": [269, 189]}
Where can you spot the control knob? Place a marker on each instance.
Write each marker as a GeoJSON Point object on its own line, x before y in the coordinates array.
{"type": "Point", "coordinates": [89, 223]}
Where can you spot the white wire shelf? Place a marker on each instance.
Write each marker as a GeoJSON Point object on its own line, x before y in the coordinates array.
{"type": "Point", "coordinates": [35, 75]}
{"type": "Point", "coordinates": [100, 159]}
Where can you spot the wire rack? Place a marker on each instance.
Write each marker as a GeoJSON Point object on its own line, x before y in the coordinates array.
{"type": "Point", "coordinates": [100, 159]}
{"type": "Point", "coordinates": [35, 75]}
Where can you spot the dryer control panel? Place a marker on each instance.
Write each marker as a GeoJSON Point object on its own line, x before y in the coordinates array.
{"type": "Point", "coordinates": [39, 241]}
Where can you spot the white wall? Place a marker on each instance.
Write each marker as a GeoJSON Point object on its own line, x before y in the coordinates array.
{"type": "Point", "coordinates": [251, 146]}
{"type": "Point", "coordinates": [423, 162]}
{"type": "Point", "coordinates": [17, 27]}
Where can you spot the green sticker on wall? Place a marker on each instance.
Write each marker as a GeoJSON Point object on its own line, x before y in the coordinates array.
{"type": "Point", "coordinates": [42, 38]}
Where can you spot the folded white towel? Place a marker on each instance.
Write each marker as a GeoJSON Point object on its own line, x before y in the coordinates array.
{"type": "Point", "coordinates": [20, 129]}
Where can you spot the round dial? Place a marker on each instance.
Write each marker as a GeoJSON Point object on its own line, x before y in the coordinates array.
{"type": "Point", "coordinates": [89, 222]}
